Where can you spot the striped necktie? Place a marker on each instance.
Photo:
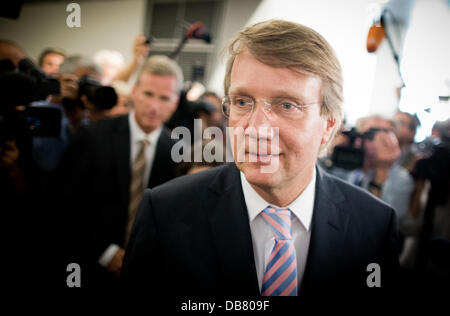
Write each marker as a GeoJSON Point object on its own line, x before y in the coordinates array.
{"type": "Point", "coordinates": [136, 186]}
{"type": "Point", "coordinates": [280, 277]}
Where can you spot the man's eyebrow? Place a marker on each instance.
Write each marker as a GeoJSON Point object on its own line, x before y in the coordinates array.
{"type": "Point", "coordinates": [281, 93]}
{"type": "Point", "coordinates": [237, 90]}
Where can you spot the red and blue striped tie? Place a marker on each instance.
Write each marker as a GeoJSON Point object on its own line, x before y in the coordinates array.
{"type": "Point", "coordinates": [280, 278]}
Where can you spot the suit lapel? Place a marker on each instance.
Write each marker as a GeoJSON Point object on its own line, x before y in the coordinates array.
{"type": "Point", "coordinates": [121, 154]}
{"type": "Point", "coordinates": [328, 229]}
{"type": "Point", "coordinates": [231, 233]}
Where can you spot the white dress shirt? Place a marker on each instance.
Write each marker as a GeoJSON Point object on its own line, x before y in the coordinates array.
{"type": "Point", "coordinates": [136, 136]}
{"type": "Point", "coordinates": [262, 234]}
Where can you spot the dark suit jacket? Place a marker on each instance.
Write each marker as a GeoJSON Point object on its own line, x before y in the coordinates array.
{"type": "Point", "coordinates": [192, 237]}
{"type": "Point", "coordinates": [96, 180]}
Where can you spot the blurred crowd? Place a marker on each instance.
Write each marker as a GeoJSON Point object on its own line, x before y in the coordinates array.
{"type": "Point", "coordinates": [380, 155]}
{"type": "Point", "coordinates": [74, 130]}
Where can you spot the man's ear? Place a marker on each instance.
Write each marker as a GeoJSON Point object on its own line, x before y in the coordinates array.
{"type": "Point", "coordinates": [331, 125]}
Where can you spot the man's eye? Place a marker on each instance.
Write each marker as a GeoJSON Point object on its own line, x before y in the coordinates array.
{"type": "Point", "coordinates": [241, 102]}
{"type": "Point", "coordinates": [164, 99]}
{"type": "Point", "coordinates": [288, 106]}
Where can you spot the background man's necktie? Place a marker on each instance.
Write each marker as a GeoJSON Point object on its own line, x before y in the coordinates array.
{"type": "Point", "coordinates": [280, 277]}
{"type": "Point", "coordinates": [136, 186]}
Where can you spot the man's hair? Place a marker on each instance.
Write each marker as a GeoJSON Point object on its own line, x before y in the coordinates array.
{"type": "Point", "coordinates": [72, 63]}
{"type": "Point", "coordinates": [284, 44]}
{"type": "Point", "coordinates": [414, 121]}
{"type": "Point", "coordinates": [50, 50]}
{"type": "Point", "coordinates": [162, 66]}
{"type": "Point", "coordinates": [209, 94]}
{"type": "Point", "coordinates": [362, 121]}
{"type": "Point", "coordinates": [12, 51]}
{"type": "Point", "coordinates": [111, 56]}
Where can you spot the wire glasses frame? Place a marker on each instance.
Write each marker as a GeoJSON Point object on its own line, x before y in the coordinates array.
{"type": "Point", "coordinates": [241, 106]}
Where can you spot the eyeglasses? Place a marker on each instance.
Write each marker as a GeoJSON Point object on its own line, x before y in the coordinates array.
{"type": "Point", "coordinates": [239, 106]}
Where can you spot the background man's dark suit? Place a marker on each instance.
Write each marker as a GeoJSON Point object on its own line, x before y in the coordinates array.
{"type": "Point", "coordinates": [192, 236]}
{"type": "Point", "coordinates": [97, 177]}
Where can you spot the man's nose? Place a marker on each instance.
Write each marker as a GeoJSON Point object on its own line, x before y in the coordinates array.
{"type": "Point", "coordinates": [259, 117]}
{"type": "Point", "coordinates": [259, 125]}
{"type": "Point", "coordinates": [152, 103]}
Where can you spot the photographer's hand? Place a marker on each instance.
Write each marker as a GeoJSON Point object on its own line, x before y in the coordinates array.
{"type": "Point", "coordinates": [115, 265]}
{"type": "Point", "coordinates": [140, 52]}
{"type": "Point", "coordinates": [140, 48]}
{"type": "Point", "coordinates": [9, 153]}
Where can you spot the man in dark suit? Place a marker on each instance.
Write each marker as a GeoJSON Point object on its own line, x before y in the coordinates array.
{"type": "Point", "coordinates": [111, 162]}
{"type": "Point", "coordinates": [270, 223]}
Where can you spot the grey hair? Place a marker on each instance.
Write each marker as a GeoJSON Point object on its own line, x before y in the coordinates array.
{"type": "Point", "coordinates": [163, 66]}
{"type": "Point", "coordinates": [72, 63]}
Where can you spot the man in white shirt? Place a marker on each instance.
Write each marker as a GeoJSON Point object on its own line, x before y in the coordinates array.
{"type": "Point", "coordinates": [248, 229]}
{"type": "Point", "coordinates": [111, 162]}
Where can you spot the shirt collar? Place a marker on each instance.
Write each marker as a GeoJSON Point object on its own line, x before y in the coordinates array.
{"type": "Point", "coordinates": [137, 134]}
{"type": "Point", "coordinates": [302, 206]}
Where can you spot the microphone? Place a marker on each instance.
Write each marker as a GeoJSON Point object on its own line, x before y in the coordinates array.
{"type": "Point", "coordinates": [198, 31]}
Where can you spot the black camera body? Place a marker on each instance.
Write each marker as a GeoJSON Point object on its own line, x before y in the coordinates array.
{"type": "Point", "coordinates": [18, 88]}
{"type": "Point", "coordinates": [349, 156]}
{"type": "Point", "coordinates": [45, 84]}
{"type": "Point", "coordinates": [103, 97]}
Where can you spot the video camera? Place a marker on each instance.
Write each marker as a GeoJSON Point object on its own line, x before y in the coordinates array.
{"type": "Point", "coordinates": [103, 97]}
{"type": "Point", "coordinates": [18, 88]}
{"type": "Point", "coordinates": [351, 156]}
{"type": "Point", "coordinates": [27, 83]}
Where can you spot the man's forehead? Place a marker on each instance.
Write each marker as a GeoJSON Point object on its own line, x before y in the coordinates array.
{"type": "Point", "coordinates": [54, 55]}
{"type": "Point", "coordinates": [159, 84]}
{"type": "Point", "coordinates": [68, 76]}
{"type": "Point", "coordinates": [269, 61]}
{"type": "Point", "coordinates": [377, 123]}
{"type": "Point", "coordinates": [296, 81]}
{"type": "Point", "coordinates": [402, 116]}
{"type": "Point", "coordinates": [243, 57]}
{"type": "Point", "coordinates": [161, 80]}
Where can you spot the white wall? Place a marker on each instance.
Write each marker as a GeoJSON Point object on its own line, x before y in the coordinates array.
{"type": "Point", "coordinates": [104, 25]}
{"type": "Point", "coordinates": [426, 63]}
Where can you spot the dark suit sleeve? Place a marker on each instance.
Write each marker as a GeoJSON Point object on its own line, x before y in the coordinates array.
{"type": "Point", "coordinates": [76, 174]}
{"type": "Point", "coordinates": [139, 269]}
{"type": "Point", "coordinates": [390, 270]}
{"type": "Point", "coordinates": [72, 172]}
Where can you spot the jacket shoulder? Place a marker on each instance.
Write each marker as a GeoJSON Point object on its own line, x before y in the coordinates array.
{"type": "Point", "coordinates": [187, 186]}
{"type": "Point", "coordinates": [354, 199]}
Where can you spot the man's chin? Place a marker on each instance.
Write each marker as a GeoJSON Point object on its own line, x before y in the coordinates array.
{"type": "Point", "coordinates": [150, 126]}
{"type": "Point", "coordinates": [256, 175]}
